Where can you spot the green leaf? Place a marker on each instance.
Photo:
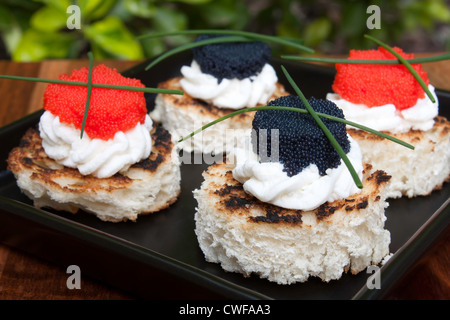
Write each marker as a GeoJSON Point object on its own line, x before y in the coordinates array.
{"type": "Point", "coordinates": [317, 31]}
{"type": "Point", "coordinates": [191, 1]}
{"type": "Point", "coordinates": [111, 36]}
{"type": "Point", "coordinates": [48, 19]}
{"type": "Point", "coordinates": [12, 24]}
{"type": "Point", "coordinates": [287, 30]}
{"type": "Point", "coordinates": [354, 20]}
{"type": "Point", "coordinates": [60, 5]}
{"type": "Point", "coordinates": [223, 13]}
{"type": "Point", "coordinates": [99, 53]}
{"type": "Point", "coordinates": [95, 9]}
{"type": "Point", "coordinates": [153, 47]}
{"type": "Point", "coordinates": [438, 10]}
{"type": "Point", "coordinates": [409, 19]}
{"type": "Point", "coordinates": [36, 45]}
{"type": "Point", "coordinates": [12, 36]}
{"type": "Point", "coordinates": [166, 19]}
{"type": "Point", "coordinates": [140, 8]}
{"type": "Point", "coordinates": [6, 19]}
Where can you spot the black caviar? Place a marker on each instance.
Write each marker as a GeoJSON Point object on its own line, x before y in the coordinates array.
{"type": "Point", "coordinates": [231, 59]}
{"type": "Point", "coordinates": [301, 141]}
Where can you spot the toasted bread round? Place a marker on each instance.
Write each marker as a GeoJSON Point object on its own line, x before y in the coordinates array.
{"type": "Point", "coordinates": [183, 114]}
{"type": "Point", "coordinates": [414, 172]}
{"type": "Point", "coordinates": [285, 246]}
{"type": "Point", "coordinates": [148, 186]}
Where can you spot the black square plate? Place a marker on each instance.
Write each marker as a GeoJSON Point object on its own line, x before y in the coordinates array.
{"type": "Point", "coordinates": [158, 256]}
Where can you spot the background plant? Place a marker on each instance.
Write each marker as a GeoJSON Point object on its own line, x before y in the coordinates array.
{"type": "Point", "coordinates": [33, 30]}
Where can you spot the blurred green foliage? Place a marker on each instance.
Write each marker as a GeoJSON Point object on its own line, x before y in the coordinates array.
{"type": "Point", "coordinates": [34, 30]}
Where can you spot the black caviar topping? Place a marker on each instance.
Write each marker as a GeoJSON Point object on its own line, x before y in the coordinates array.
{"type": "Point", "coordinates": [232, 59]}
{"type": "Point", "coordinates": [301, 141]}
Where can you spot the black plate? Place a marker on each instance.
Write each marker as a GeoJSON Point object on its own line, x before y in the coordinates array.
{"type": "Point", "coordinates": [158, 256]}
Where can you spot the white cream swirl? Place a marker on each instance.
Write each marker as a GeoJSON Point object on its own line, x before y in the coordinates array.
{"type": "Point", "coordinates": [305, 191]}
{"type": "Point", "coordinates": [229, 93]}
{"type": "Point", "coordinates": [387, 117]}
{"type": "Point", "coordinates": [100, 158]}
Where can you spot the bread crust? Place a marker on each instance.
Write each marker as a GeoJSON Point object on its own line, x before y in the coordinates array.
{"type": "Point", "coordinates": [416, 172]}
{"type": "Point", "coordinates": [30, 163]}
{"type": "Point", "coordinates": [248, 236]}
{"type": "Point", "coordinates": [441, 127]}
{"type": "Point", "coordinates": [231, 198]}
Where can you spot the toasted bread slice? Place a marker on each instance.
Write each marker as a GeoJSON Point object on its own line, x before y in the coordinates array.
{"type": "Point", "coordinates": [183, 114]}
{"type": "Point", "coordinates": [148, 186]}
{"type": "Point", "coordinates": [414, 172]}
{"type": "Point", "coordinates": [286, 246]}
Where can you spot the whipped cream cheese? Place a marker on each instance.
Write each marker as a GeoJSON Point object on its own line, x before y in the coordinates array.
{"type": "Point", "coordinates": [229, 93]}
{"type": "Point", "coordinates": [387, 117]}
{"type": "Point", "coordinates": [100, 158]}
{"type": "Point", "coordinates": [305, 191]}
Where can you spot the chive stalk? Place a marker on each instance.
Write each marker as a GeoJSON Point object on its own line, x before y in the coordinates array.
{"type": "Point", "coordinates": [89, 85]}
{"type": "Point", "coordinates": [95, 85]}
{"type": "Point", "coordinates": [89, 89]}
{"type": "Point", "coordinates": [325, 130]}
{"type": "Point", "coordinates": [249, 35]}
{"type": "Point", "coordinates": [194, 45]}
{"type": "Point", "coordinates": [406, 64]}
{"type": "Point", "coordinates": [285, 108]}
{"type": "Point", "coordinates": [435, 58]}
{"type": "Point", "coordinates": [316, 117]}
{"type": "Point", "coordinates": [230, 36]}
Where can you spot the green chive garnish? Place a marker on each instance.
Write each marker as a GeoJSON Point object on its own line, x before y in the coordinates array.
{"type": "Point", "coordinates": [340, 152]}
{"type": "Point", "coordinates": [89, 89]}
{"type": "Point", "coordinates": [249, 35]}
{"type": "Point", "coordinates": [193, 45]}
{"type": "Point", "coordinates": [406, 64]}
{"type": "Point", "coordinates": [284, 108]}
{"type": "Point", "coordinates": [325, 130]}
{"type": "Point", "coordinates": [435, 58]}
{"type": "Point", "coordinates": [94, 85]}
{"type": "Point", "coordinates": [234, 36]}
{"type": "Point", "coordinates": [89, 85]}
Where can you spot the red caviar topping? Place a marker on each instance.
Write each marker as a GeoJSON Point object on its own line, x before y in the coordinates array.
{"type": "Point", "coordinates": [376, 84]}
{"type": "Point", "coordinates": [110, 110]}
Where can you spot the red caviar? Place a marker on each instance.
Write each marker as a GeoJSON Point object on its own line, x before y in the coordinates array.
{"type": "Point", "coordinates": [110, 110]}
{"type": "Point", "coordinates": [376, 84]}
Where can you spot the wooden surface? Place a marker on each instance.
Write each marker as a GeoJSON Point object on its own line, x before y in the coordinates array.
{"type": "Point", "coordinates": [27, 277]}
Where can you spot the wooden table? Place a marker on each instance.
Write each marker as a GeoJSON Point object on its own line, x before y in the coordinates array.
{"type": "Point", "coordinates": [27, 277]}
